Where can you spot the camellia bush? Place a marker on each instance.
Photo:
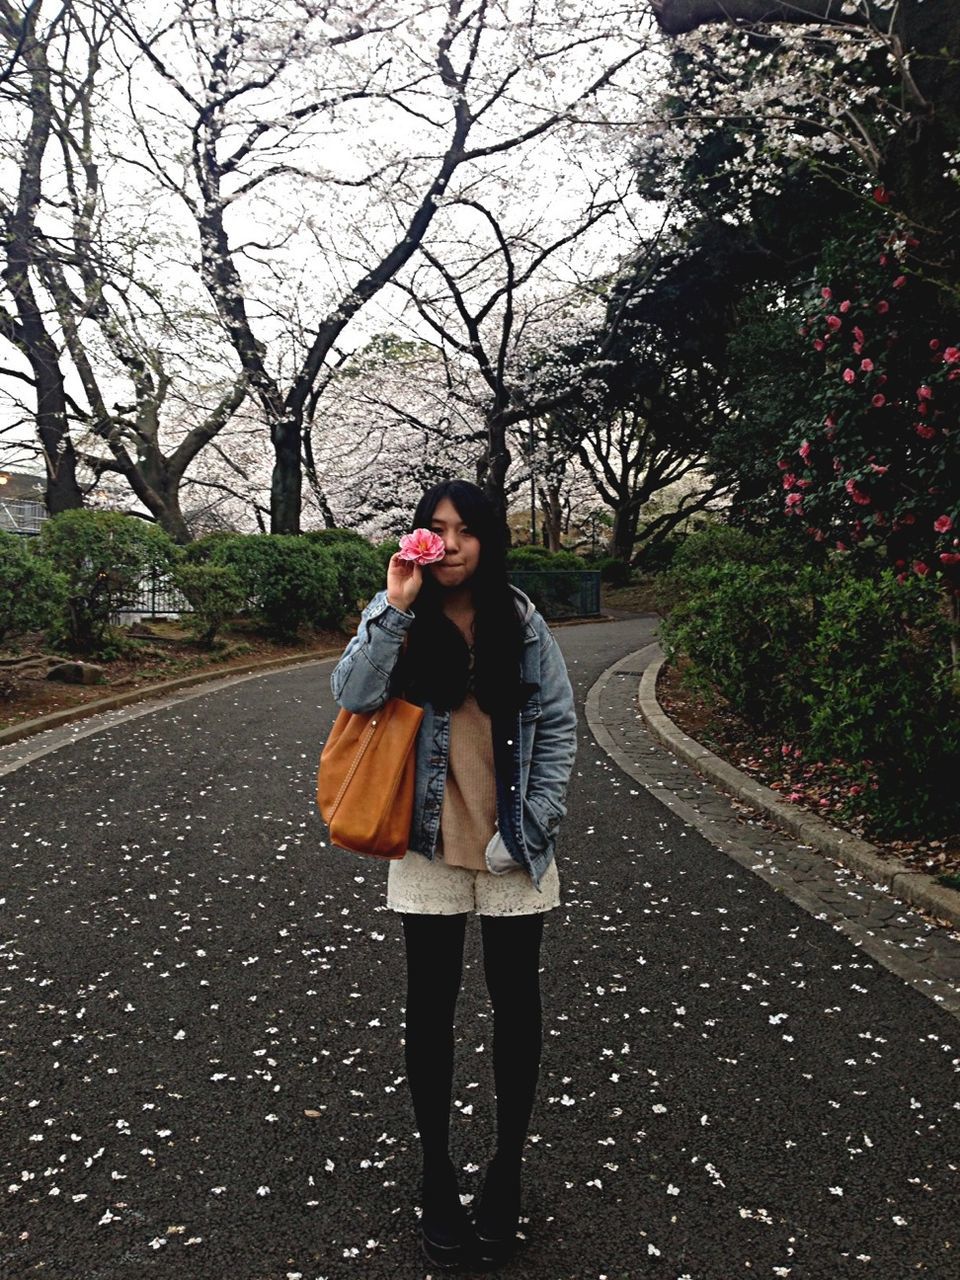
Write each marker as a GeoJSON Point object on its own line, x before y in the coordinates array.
{"type": "Point", "coordinates": [877, 469]}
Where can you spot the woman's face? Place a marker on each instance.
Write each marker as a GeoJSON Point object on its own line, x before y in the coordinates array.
{"type": "Point", "coordinates": [463, 547]}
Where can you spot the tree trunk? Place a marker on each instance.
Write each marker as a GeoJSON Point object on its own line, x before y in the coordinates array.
{"type": "Point", "coordinates": [625, 520]}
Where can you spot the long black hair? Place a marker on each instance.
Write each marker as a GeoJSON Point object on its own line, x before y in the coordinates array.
{"type": "Point", "coordinates": [435, 667]}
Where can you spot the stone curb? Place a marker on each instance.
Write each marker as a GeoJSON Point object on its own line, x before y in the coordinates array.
{"type": "Point", "coordinates": [914, 887]}
{"type": "Point", "coordinates": [85, 709]}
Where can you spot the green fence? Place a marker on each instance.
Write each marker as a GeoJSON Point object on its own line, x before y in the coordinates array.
{"type": "Point", "coordinates": [570, 593]}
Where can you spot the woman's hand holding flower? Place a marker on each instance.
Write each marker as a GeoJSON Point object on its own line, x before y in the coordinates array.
{"type": "Point", "coordinates": [404, 573]}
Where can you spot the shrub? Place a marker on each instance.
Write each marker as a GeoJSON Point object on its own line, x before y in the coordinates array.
{"type": "Point", "coordinates": [883, 700]}
{"type": "Point", "coordinates": [32, 592]}
{"type": "Point", "coordinates": [614, 572]}
{"type": "Point", "coordinates": [747, 629]}
{"type": "Point", "coordinates": [215, 593]}
{"type": "Point", "coordinates": [103, 555]}
{"type": "Point", "coordinates": [357, 566]}
{"type": "Point", "coordinates": [534, 557]}
{"type": "Point", "coordinates": [287, 580]}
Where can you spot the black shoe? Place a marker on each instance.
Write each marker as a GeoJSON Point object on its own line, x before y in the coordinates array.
{"type": "Point", "coordinates": [446, 1233]}
{"type": "Point", "coordinates": [498, 1213]}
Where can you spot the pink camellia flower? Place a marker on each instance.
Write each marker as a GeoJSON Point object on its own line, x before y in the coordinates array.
{"type": "Point", "coordinates": [882, 307]}
{"type": "Point", "coordinates": [934, 344]}
{"type": "Point", "coordinates": [834, 323]}
{"type": "Point", "coordinates": [881, 195]}
{"type": "Point", "coordinates": [422, 547]}
{"type": "Point", "coordinates": [856, 493]}
{"type": "Point", "coordinates": [866, 365]}
{"type": "Point", "coordinates": [849, 376]}
{"type": "Point", "coordinates": [900, 282]}
{"type": "Point", "coordinates": [794, 500]}
{"type": "Point", "coordinates": [819, 344]}
{"type": "Point", "coordinates": [951, 355]}
{"type": "Point", "coordinates": [845, 307]}
{"type": "Point", "coordinates": [925, 431]}
{"type": "Point", "coordinates": [804, 484]}
{"type": "Point", "coordinates": [920, 568]}
{"type": "Point", "coordinates": [950, 557]}
{"type": "Point", "coordinates": [924, 393]}
{"type": "Point", "coordinates": [857, 348]}
{"type": "Point", "coordinates": [789, 479]}
{"type": "Point", "coordinates": [943, 524]}
{"type": "Point", "coordinates": [859, 334]}
{"type": "Point", "coordinates": [804, 450]}
{"type": "Point", "coordinates": [878, 401]}
{"type": "Point", "coordinates": [783, 464]}
{"type": "Point", "coordinates": [826, 293]}
{"type": "Point", "coordinates": [880, 470]}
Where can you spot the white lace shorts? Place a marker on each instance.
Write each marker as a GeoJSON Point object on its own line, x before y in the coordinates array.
{"type": "Point", "coordinates": [416, 884]}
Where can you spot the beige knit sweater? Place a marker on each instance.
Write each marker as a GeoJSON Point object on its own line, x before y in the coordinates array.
{"type": "Point", "coordinates": [468, 817]}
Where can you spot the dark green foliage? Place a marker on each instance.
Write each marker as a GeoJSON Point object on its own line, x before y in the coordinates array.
{"type": "Point", "coordinates": [214, 592]}
{"type": "Point", "coordinates": [31, 591]}
{"type": "Point", "coordinates": [616, 573]}
{"type": "Point", "coordinates": [360, 574]}
{"type": "Point", "coordinates": [748, 628]}
{"type": "Point", "coordinates": [883, 699]}
{"type": "Point", "coordinates": [288, 581]}
{"type": "Point", "coordinates": [102, 555]}
{"type": "Point", "coordinates": [857, 670]}
{"type": "Point", "coordinates": [535, 557]}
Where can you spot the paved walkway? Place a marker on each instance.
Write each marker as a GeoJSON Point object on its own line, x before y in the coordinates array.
{"type": "Point", "coordinates": [201, 1009]}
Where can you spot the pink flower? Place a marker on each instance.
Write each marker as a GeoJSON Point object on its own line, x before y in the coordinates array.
{"type": "Point", "coordinates": [943, 524]}
{"type": "Point", "coordinates": [880, 471]}
{"type": "Point", "coordinates": [844, 307]}
{"type": "Point", "coordinates": [826, 294]}
{"type": "Point", "coordinates": [882, 307]}
{"type": "Point", "coordinates": [925, 431]}
{"type": "Point", "coordinates": [789, 479]}
{"type": "Point", "coordinates": [818, 344]}
{"type": "Point", "coordinates": [804, 450]}
{"type": "Point", "coordinates": [951, 355]}
{"type": "Point", "coordinates": [422, 546]}
{"type": "Point", "coordinates": [924, 393]}
{"type": "Point", "coordinates": [856, 493]}
{"type": "Point", "coordinates": [900, 282]}
{"type": "Point", "coordinates": [881, 195]}
{"type": "Point", "coordinates": [920, 568]}
{"type": "Point", "coordinates": [878, 401]}
{"type": "Point", "coordinates": [834, 323]}
{"type": "Point", "coordinates": [794, 500]}
{"type": "Point", "coordinates": [950, 557]}
{"type": "Point", "coordinates": [849, 376]}
{"type": "Point", "coordinates": [934, 344]}
{"type": "Point", "coordinates": [842, 546]}
{"type": "Point", "coordinates": [866, 365]}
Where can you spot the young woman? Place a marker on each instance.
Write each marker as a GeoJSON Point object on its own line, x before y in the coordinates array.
{"type": "Point", "coordinates": [494, 754]}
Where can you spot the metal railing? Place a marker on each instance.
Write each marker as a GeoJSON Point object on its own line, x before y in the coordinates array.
{"type": "Point", "coordinates": [570, 593]}
{"type": "Point", "coordinates": [22, 515]}
{"type": "Point", "coordinates": [155, 595]}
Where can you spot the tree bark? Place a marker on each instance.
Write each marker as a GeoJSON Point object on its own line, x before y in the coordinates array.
{"type": "Point", "coordinates": [28, 331]}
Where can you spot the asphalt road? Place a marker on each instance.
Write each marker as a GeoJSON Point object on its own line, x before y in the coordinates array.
{"type": "Point", "coordinates": [201, 1029]}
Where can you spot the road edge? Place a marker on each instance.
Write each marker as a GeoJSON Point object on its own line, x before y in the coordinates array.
{"type": "Point", "coordinates": [56, 719]}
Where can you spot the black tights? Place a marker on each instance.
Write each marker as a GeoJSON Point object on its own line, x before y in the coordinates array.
{"type": "Point", "coordinates": [511, 965]}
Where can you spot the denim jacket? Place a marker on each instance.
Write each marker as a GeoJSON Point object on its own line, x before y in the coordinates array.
{"type": "Point", "coordinates": [534, 749]}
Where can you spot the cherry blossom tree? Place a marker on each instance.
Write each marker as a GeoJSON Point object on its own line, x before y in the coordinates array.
{"type": "Point", "coordinates": [316, 135]}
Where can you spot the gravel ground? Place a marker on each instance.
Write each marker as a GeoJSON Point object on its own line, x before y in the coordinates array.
{"type": "Point", "coordinates": [201, 1054]}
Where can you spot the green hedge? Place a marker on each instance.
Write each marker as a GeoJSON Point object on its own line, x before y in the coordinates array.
{"type": "Point", "coordinates": [32, 592]}
{"type": "Point", "coordinates": [102, 555]}
{"type": "Point", "coordinates": [287, 580]}
{"type": "Point", "coordinates": [856, 670]}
